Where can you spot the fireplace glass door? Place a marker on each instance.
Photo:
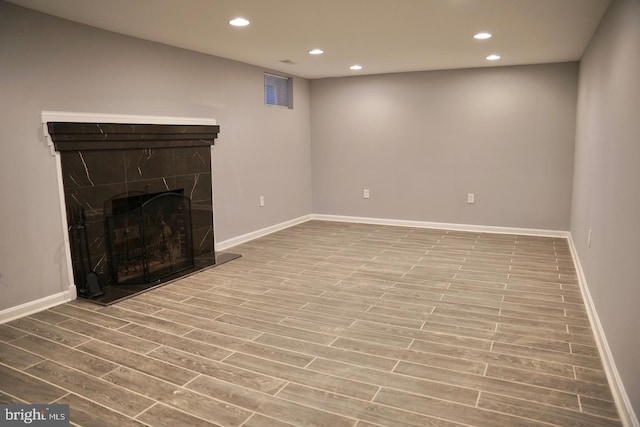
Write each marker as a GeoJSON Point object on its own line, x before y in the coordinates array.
{"type": "Point", "coordinates": [148, 236]}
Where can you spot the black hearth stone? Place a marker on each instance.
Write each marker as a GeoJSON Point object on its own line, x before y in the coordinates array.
{"type": "Point", "coordinates": [115, 293]}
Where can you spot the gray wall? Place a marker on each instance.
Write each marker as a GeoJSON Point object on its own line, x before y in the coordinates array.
{"type": "Point", "coordinates": [51, 64]}
{"type": "Point", "coordinates": [606, 195]}
{"type": "Point", "coordinates": [421, 141]}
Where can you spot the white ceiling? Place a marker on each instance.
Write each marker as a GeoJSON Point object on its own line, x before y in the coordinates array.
{"type": "Point", "coordinates": [384, 36]}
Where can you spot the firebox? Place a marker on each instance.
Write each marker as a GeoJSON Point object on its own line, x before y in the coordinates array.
{"type": "Point", "coordinates": [148, 236]}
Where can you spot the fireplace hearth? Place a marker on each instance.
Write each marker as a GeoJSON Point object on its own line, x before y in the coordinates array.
{"type": "Point", "coordinates": [146, 197]}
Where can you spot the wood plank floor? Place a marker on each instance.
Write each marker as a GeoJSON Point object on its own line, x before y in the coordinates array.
{"type": "Point", "coordinates": [330, 324]}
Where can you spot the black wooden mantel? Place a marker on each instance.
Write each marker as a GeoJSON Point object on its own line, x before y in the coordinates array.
{"type": "Point", "coordinates": [70, 136]}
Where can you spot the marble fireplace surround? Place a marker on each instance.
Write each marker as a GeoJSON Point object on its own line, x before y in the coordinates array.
{"type": "Point", "coordinates": [102, 156]}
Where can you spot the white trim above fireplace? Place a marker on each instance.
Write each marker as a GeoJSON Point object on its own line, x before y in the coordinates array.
{"type": "Point", "coordinates": [65, 116]}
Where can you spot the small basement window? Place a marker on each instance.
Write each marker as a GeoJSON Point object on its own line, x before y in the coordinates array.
{"type": "Point", "coordinates": [278, 91]}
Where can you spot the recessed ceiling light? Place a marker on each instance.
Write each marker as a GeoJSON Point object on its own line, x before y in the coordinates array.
{"type": "Point", "coordinates": [493, 57]}
{"type": "Point", "coordinates": [316, 52]}
{"type": "Point", "coordinates": [356, 67]}
{"type": "Point", "coordinates": [239, 22]}
{"type": "Point", "coordinates": [482, 36]}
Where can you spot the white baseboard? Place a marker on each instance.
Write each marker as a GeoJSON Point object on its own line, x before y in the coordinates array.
{"type": "Point", "coordinates": [31, 307]}
{"type": "Point", "coordinates": [235, 241]}
{"type": "Point", "coordinates": [620, 396]}
{"type": "Point", "coordinates": [445, 226]}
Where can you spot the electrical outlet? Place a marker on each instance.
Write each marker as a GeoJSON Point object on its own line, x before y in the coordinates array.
{"type": "Point", "coordinates": [471, 198]}
{"type": "Point", "coordinates": [261, 201]}
{"type": "Point", "coordinates": [365, 193]}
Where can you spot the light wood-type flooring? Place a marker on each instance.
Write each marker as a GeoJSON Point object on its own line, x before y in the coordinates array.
{"type": "Point", "coordinates": [330, 324]}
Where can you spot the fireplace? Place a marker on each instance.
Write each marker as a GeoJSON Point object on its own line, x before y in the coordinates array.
{"type": "Point", "coordinates": [138, 202]}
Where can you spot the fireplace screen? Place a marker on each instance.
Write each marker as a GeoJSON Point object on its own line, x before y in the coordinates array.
{"type": "Point", "coordinates": [148, 236]}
